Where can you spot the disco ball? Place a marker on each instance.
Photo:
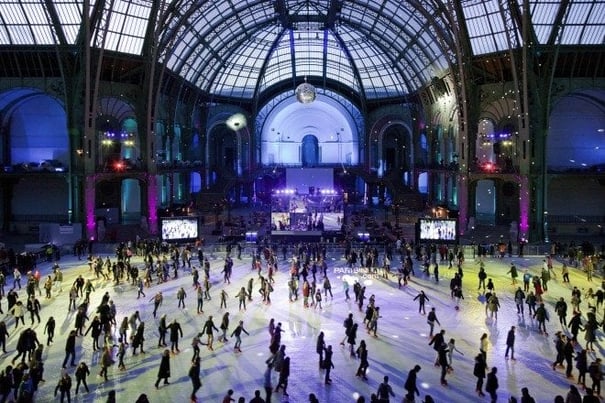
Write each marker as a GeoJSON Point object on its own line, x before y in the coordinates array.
{"type": "Point", "coordinates": [305, 93]}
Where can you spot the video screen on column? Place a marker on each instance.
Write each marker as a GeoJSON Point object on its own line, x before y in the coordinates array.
{"type": "Point", "coordinates": [437, 230]}
{"type": "Point", "coordinates": [179, 228]}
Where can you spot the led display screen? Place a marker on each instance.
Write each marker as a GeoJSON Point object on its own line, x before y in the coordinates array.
{"type": "Point", "coordinates": [176, 228]}
{"type": "Point", "coordinates": [437, 230]}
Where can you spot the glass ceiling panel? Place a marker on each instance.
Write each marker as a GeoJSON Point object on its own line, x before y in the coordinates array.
{"type": "Point", "coordinates": [225, 44]}
{"type": "Point", "coordinates": [26, 22]}
{"type": "Point", "coordinates": [279, 65]}
{"type": "Point", "coordinates": [485, 26]}
{"type": "Point", "coordinates": [238, 75]}
{"type": "Point", "coordinates": [578, 12]}
{"type": "Point", "coordinates": [588, 21]}
{"type": "Point", "coordinates": [70, 14]}
{"type": "Point", "coordinates": [392, 43]}
{"type": "Point", "coordinates": [597, 16]}
{"type": "Point", "coordinates": [338, 66]}
{"type": "Point", "coordinates": [19, 17]}
{"type": "Point", "coordinates": [593, 34]}
{"type": "Point", "coordinates": [542, 33]}
{"type": "Point", "coordinates": [14, 14]}
{"type": "Point", "coordinates": [573, 33]}
{"type": "Point", "coordinates": [308, 53]}
{"type": "Point", "coordinates": [127, 27]}
{"type": "Point", "coordinates": [584, 22]}
{"type": "Point", "coordinates": [372, 66]}
{"type": "Point", "coordinates": [409, 38]}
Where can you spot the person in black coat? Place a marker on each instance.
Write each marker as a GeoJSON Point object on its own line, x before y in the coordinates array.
{"type": "Point", "coordinates": [348, 323]}
{"type": "Point", "coordinates": [491, 386]}
{"type": "Point", "coordinates": [95, 328]}
{"type": "Point", "coordinates": [422, 299]}
{"type": "Point", "coordinates": [80, 321]}
{"type": "Point", "coordinates": [164, 371]}
{"type": "Point", "coordinates": [443, 362]}
{"type": "Point", "coordinates": [209, 329]}
{"type": "Point", "coordinates": [81, 373]}
{"type": "Point", "coordinates": [568, 354]}
{"type": "Point", "coordinates": [437, 341]}
{"type": "Point", "coordinates": [351, 339]}
{"type": "Point", "coordinates": [479, 371]}
{"type": "Point", "coordinates": [138, 339]}
{"type": "Point", "coordinates": [362, 354]}
{"type": "Point", "coordinates": [284, 374]}
{"type": "Point", "coordinates": [18, 371]}
{"type": "Point", "coordinates": [6, 382]}
{"type": "Point", "coordinates": [175, 332]}
{"type": "Point", "coordinates": [410, 383]}
{"type": "Point", "coordinates": [70, 349]}
{"type": "Point", "coordinates": [194, 375]}
{"type": "Point", "coordinates": [431, 319]}
{"type": "Point", "coordinates": [575, 325]}
{"type": "Point", "coordinates": [510, 343]}
{"type": "Point", "coordinates": [582, 366]}
{"type": "Point", "coordinates": [328, 364]}
{"type": "Point", "coordinates": [3, 335]}
{"type": "Point", "coordinates": [64, 386]}
{"type": "Point", "coordinates": [321, 346]}
{"type": "Point", "coordinates": [22, 346]}
{"type": "Point", "coordinates": [162, 329]}
{"type": "Point", "coordinates": [49, 330]}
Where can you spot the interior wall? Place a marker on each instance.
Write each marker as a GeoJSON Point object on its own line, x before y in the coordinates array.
{"type": "Point", "coordinates": [38, 131]}
{"type": "Point", "coordinates": [576, 131]}
{"type": "Point", "coordinates": [569, 196]}
{"type": "Point", "coordinates": [291, 121]}
{"type": "Point", "coordinates": [485, 202]}
{"type": "Point", "coordinates": [33, 192]}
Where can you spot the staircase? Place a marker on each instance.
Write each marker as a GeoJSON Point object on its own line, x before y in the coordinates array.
{"type": "Point", "coordinates": [403, 195]}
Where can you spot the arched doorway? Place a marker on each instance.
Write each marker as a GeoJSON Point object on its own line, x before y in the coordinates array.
{"type": "Point", "coordinates": [485, 202]}
{"type": "Point", "coordinates": [222, 153]}
{"type": "Point", "coordinates": [33, 138]}
{"type": "Point", "coordinates": [396, 149]}
{"type": "Point", "coordinates": [130, 201]}
{"type": "Point", "coordinates": [119, 201]}
{"type": "Point", "coordinates": [310, 151]}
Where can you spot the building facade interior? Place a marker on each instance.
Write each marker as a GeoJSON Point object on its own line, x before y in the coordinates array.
{"type": "Point", "coordinates": [118, 111]}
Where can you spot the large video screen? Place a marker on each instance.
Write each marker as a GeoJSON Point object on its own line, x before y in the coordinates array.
{"type": "Point", "coordinates": [322, 210]}
{"type": "Point", "coordinates": [280, 221]}
{"type": "Point", "coordinates": [332, 221]}
{"type": "Point", "coordinates": [179, 228]}
{"type": "Point", "coordinates": [437, 230]}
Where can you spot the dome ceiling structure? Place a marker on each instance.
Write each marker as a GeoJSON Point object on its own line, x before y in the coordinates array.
{"type": "Point", "coordinates": [370, 49]}
{"type": "Point", "coordinates": [378, 49]}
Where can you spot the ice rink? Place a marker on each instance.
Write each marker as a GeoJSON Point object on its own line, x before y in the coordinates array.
{"type": "Point", "coordinates": [402, 340]}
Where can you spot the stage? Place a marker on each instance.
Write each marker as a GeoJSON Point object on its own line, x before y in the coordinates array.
{"type": "Point", "coordinates": [296, 236]}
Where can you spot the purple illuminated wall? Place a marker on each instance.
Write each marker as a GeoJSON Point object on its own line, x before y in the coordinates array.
{"type": "Point", "coordinates": [523, 207]}
{"type": "Point", "coordinates": [462, 204]}
{"type": "Point", "coordinates": [152, 203]}
{"type": "Point", "coordinates": [89, 200]}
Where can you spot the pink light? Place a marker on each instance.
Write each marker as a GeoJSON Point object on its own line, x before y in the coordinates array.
{"type": "Point", "coordinates": [524, 203]}
{"type": "Point", "coordinates": [152, 204]}
{"type": "Point", "coordinates": [89, 200]}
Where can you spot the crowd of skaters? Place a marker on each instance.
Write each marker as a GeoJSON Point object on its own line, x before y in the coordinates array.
{"type": "Point", "coordinates": [305, 264]}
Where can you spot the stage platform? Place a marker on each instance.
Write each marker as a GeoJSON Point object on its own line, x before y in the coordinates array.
{"type": "Point", "coordinates": [296, 236]}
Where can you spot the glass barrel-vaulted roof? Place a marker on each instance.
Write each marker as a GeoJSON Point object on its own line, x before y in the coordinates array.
{"type": "Point", "coordinates": [583, 21]}
{"type": "Point", "coordinates": [554, 22]}
{"type": "Point", "coordinates": [375, 48]}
